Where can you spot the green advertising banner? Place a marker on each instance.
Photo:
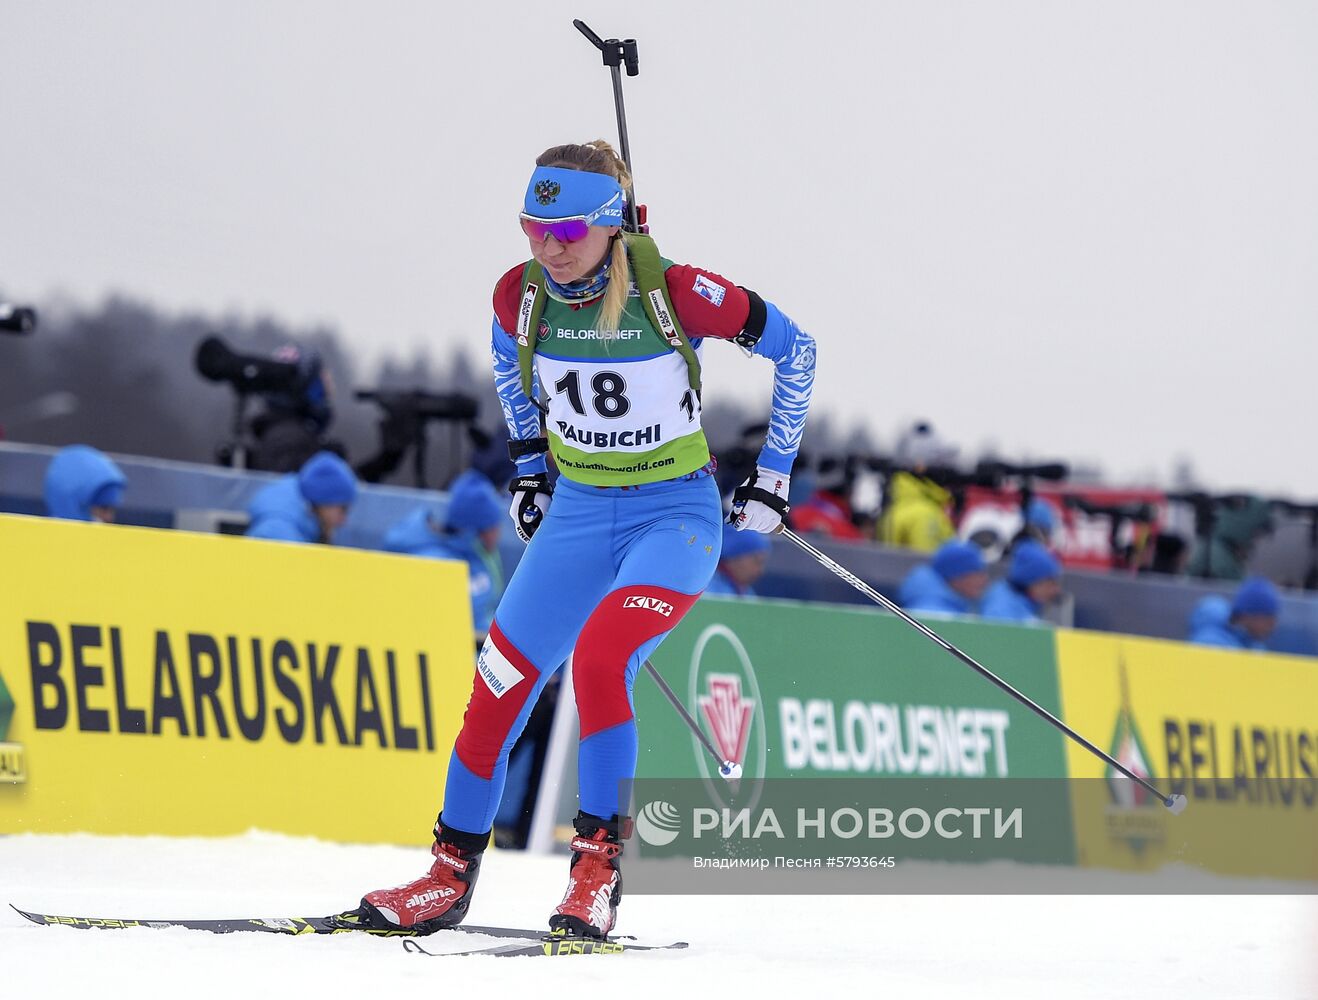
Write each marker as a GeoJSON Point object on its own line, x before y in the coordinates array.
{"type": "Point", "coordinates": [806, 691]}
{"type": "Point", "coordinates": [794, 690]}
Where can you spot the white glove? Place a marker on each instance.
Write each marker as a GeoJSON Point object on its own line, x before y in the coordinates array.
{"type": "Point", "coordinates": [531, 495]}
{"type": "Point", "coordinates": [760, 503]}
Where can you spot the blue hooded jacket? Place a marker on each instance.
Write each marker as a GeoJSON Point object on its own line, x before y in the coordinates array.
{"type": "Point", "coordinates": [1005, 603]}
{"type": "Point", "coordinates": [1210, 625]}
{"type": "Point", "coordinates": [279, 511]}
{"type": "Point", "coordinates": [924, 589]}
{"type": "Point", "coordinates": [283, 510]}
{"type": "Point", "coordinates": [78, 478]}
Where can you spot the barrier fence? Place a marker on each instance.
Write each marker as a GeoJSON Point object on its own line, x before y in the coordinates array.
{"type": "Point", "coordinates": [162, 682]}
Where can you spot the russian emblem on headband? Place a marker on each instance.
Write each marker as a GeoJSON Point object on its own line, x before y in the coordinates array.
{"type": "Point", "coordinates": [546, 192]}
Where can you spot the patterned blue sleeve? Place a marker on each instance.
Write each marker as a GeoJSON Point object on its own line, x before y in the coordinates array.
{"type": "Point", "coordinates": [792, 352]}
{"type": "Point", "coordinates": [519, 413]}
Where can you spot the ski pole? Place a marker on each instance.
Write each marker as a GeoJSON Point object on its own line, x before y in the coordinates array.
{"type": "Point", "coordinates": [617, 52]}
{"type": "Point", "coordinates": [730, 770]}
{"type": "Point", "coordinates": [1176, 803]}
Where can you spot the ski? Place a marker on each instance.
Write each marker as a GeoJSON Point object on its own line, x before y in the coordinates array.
{"type": "Point", "coordinates": [339, 923]}
{"type": "Point", "coordinates": [529, 942]}
{"type": "Point", "coordinates": [549, 946]}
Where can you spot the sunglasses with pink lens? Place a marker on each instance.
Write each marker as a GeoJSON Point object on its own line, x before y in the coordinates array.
{"type": "Point", "coordinates": [563, 230]}
{"type": "Point", "coordinates": [571, 228]}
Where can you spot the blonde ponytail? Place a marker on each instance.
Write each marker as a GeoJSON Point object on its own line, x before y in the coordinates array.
{"type": "Point", "coordinates": [615, 296]}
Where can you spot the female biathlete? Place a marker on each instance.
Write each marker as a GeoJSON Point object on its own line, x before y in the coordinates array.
{"type": "Point", "coordinates": [612, 335]}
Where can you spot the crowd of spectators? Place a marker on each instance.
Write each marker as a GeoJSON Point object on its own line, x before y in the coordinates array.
{"type": "Point", "coordinates": [1019, 578]}
{"type": "Point", "coordinates": [312, 503]}
{"type": "Point", "coordinates": [956, 582]}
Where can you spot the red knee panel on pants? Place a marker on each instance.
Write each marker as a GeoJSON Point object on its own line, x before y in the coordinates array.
{"type": "Point", "coordinates": [504, 679]}
{"type": "Point", "coordinates": [623, 621]}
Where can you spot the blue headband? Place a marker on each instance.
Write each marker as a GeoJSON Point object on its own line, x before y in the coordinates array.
{"type": "Point", "coordinates": [560, 193]}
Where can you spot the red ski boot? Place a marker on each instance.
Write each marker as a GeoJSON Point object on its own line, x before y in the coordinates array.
{"type": "Point", "coordinates": [590, 905]}
{"type": "Point", "coordinates": [439, 898]}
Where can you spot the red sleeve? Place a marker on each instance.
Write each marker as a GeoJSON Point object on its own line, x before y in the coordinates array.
{"type": "Point", "coordinates": [707, 305]}
{"type": "Point", "coordinates": [507, 297]}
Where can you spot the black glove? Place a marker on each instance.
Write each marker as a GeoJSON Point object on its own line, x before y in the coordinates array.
{"type": "Point", "coordinates": [531, 495]}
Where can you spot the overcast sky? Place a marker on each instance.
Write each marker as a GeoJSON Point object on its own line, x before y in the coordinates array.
{"type": "Point", "coordinates": [1076, 230]}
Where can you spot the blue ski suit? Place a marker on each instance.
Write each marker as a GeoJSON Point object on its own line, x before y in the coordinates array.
{"type": "Point", "coordinates": [622, 554]}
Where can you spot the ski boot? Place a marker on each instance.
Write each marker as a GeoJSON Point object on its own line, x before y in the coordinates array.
{"type": "Point", "coordinates": [590, 905]}
{"type": "Point", "coordinates": [439, 898]}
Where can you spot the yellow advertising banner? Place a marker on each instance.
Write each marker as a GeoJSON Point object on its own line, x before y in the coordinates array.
{"type": "Point", "coordinates": [1235, 732]}
{"type": "Point", "coordinates": [163, 682]}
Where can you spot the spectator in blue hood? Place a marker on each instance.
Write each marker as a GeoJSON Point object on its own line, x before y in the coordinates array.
{"type": "Point", "coordinates": [741, 563]}
{"type": "Point", "coordinates": [82, 484]}
{"type": "Point", "coordinates": [309, 505]}
{"type": "Point", "coordinates": [1034, 580]}
{"type": "Point", "coordinates": [467, 531]}
{"type": "Point", "coordinates": [1245, 623]}
{"type": "Point", "coordinates": [953, 582]}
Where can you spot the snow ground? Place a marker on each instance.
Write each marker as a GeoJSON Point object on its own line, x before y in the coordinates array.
{"type": "Point", "coordinates": [1010, 947]}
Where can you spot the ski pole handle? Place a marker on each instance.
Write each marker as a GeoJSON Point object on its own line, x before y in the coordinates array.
{"type": "Point", "coordinates": [584, 28]}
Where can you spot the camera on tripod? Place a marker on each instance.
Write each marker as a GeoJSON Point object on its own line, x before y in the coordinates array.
{"type": "Point", "coordinates": [420, 404]}
{"type": "Point", "coordinates": [247, 373]}
{"type": "Point", "coordinates": [403, 426]}
{"type": "Point", "coordinates": [292, 388]}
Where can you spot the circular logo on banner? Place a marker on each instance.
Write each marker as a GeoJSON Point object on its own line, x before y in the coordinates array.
{"type": "Point", "coordinates": [658, 823]}
{"type": "Point", "coordinates": [730, 709]}
{"type": "Point", "coordinates": [542, 331]}
{"type": "Point", "coordinates": [546, 192]}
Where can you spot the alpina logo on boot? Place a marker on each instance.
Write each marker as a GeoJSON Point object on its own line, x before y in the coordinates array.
{"type": "Point", "coordinates": [649, 604]}
{"type": "Point", "coordinates": [422, 898]}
